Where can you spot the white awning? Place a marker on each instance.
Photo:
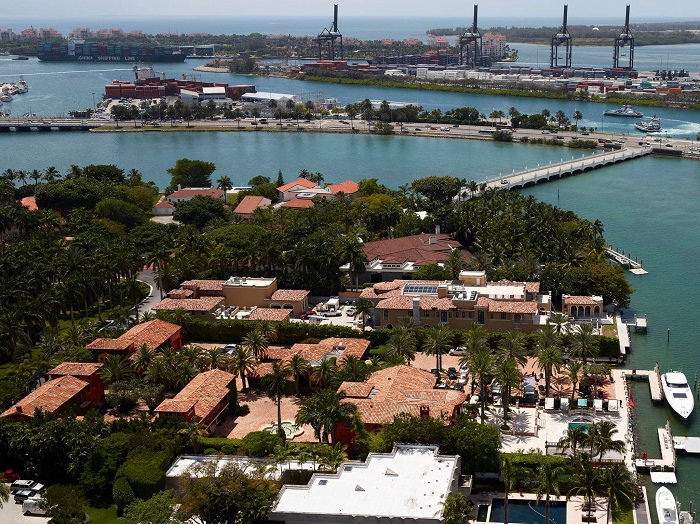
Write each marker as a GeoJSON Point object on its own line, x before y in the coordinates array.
{"type": "Point", "coordinates": [663, 477]}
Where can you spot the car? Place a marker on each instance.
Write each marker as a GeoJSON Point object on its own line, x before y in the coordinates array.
{"type": "Point", "coordinates": [669, 145]}
{"type": "Point", "coordinates": [23, 495]}
{"type": "Point", "coordinates": [10, 475]}
{"type": "Point", "coordinates": [496, 389]}
{"type": "Point", "coordinates": [560, 137]}
{"type": "Point", "coordinates": [546, 132]}
{"type": "Point", "coordinates": [33, 506]}
{"type": "Point", "coordinates": [306, 314]}
{"type": "Point", "coordinates": [331, 313]}
{"type": "Point", "coordinates": [458, 351]}
{"type": "Point", "coordinates": [504, 181]}
{"type": "Point", "coordinates": [455, 125]}
{"type": "Point", "coordinates": [459, 386]}
{"type": "Point", "coordinates": [444, 129]}
{"type": "Point", "coordinates": [350, 312]}
{"type": "Point", "coordinates": [18, 485]}
{"type": "Point", "coordinates": [586, 133]}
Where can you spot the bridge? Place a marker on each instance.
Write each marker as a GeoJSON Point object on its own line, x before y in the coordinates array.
{"type": "Point", "coordinates": [24, 125]}
{"type": "Point", "coordinates": [540, 174]}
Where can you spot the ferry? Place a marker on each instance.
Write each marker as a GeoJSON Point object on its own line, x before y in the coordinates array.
{"type": "Point", "coordinates": [666, 506]}
{"type": "Point", "coordinates": [678, 393]}
{"type": "Point", "coordinates": [652, 126]}
{"type": "Point", "coordinates": [625, 110]}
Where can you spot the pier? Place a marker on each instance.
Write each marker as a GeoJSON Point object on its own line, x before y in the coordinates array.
{"type": "Point", "coordinates": [47, 124]}
{"type": "Point", "coordinates": [540, 174]}
{"type": "Point", "coordinates": [624, 260]}
{"type": "Point", "coordinates": [651, 375]}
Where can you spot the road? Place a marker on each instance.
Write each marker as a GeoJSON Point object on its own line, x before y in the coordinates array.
{"type": "Point", "coordinates": [149, 277]}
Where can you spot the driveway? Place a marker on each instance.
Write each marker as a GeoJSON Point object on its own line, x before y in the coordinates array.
{"type": "Point", "coordinates": [149, 277]}
{"type": "Point", "coordinates": [11, 513]}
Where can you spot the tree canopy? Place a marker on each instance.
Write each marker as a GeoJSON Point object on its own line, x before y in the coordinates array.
{"type": "Point", "coordinates": [190, 173]}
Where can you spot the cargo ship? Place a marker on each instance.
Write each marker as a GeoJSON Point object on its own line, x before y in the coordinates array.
{"type": "Point", "coordinates": [81, 51]}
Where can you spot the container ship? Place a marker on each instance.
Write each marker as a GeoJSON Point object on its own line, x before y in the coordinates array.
{"type": "Point", "coordinates": [81, 51]}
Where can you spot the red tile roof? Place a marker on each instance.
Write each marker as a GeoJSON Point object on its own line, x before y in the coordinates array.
{"type": "Point", "coordinates": [109, 344]}
{"type": "Point", "coordinates": [298, 182]}
{"type": "Point", "coordinates": [403, 302]}
{"type": "Point", "coordinates": [30, 203]}
{"type": "Point", "coordinates": [192, 192]}
{"type": "Point", "coordinates": [292, 295]}
{"type": "Point", "coordinates": [153, 333]}
{"type": "Point", "coordinates": [164, 204]}
{"type": "Point", "coordinates": [49, 398]}
{"type": "Point", "coordinates": [415, 248]}
{"type": "Point", "coordinates": [401, 389]}
{"type": "Point", "coordinates": [275, 315]}
{"type": "Point", "coordinates": [250, 203]}
{"type": "Point", "coordinates": [506, 306]}
{"type": "Point", "coordinates": [180, 293]}
{"type": "Point", "coordinates": [298, 203]}
{"type": "Point", "coordinates": [532, 287]}
{"type": "Point", "coordinates": [189, 304]}
{"type": "Point", "coordinates": [349, 187]}
{"type": "Point", "coordinates": [76, 369]}
{"type": "Point", "coordinates": [203, 392]}
{"type": "Point", "coordinates": [577, 300]}
{"type": "Point", "coordinates": [203, 285]}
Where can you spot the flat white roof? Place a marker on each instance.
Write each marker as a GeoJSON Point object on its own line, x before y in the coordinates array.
{"type": "Point", "coordinates": [266, 96]}
{"type": "Point", "coordinates": [249, 282]}
{"type": "Point", "coordinates": [214, 90]}
{"type": "Point", "coordinates": [410, 482]}
{"type": "Point", "coordinates": [196, 465]}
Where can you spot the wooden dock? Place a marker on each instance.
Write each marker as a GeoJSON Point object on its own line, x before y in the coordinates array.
{"type": "Point", "coordinates": [537, 175]}
{"type": "Point", "coordinates": [625, 261]}
{"type": "Point", "coordinates": [623, 334]}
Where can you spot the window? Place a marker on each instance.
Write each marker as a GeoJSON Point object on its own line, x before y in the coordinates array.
{"type": "Point", "coordinates": [504, 316]}
{"type": "Point", "coordinates": [480, 317]}
{"type": "Point", "coordinates": [426, 314]}
{"type": "Point", "coordinates": [464, 314]}
{"type": "Point", "coordinates": [471, 314]}
{"type": "Point", "coordinates": [386, 314]}
{"type": "Point", "coordinates": [443, 316]}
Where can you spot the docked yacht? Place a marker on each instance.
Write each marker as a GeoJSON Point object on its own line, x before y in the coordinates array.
{"type": "Point", "coordinates": [652, 126]}
{"type": "Point", "coordinates": [624, 111]}
{"type": "Point", "coordinates": [22, 86]}
{"type": "Point", "coordinates": [678, 393]}
{"type": "Point", "coordinates": [666, 506]}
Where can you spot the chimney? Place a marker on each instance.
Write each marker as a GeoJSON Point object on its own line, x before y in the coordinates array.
{"type": "Point", "coordinates": [432, 240]}
{"type": "Point", "coordinates": [442, 291]}
{"type": "Point", "coordinates": [437, 229]}
{"type": "Point", "coordinates": [19, 408]}
{"type": "Point", "coordinates": [424, 411]}
{"type": "Point", "coordinates": [179, 187]}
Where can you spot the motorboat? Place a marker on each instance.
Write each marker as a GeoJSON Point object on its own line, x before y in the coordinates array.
{"type": "Point", "coordinates": [22, 86]}
{"type": "Point", "coordinates": [666, 506]}
{"type": "Point", "coordinates": [625, 110]}
{"type": "Point", "coordinates": [678, 393]}
{"type": "Point", "coordinates": [652, 126]}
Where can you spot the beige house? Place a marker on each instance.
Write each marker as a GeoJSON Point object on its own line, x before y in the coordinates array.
{"type": "Point", "coordinates": [582, 307]}
{"type": "Point", "coordinates": [498, 306]}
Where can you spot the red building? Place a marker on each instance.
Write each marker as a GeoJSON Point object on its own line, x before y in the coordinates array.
{"type": "Point", "coordinates": [153, 334]}
{"type": "Point", "coordinates": [87, 371]}
{"type": "Point", "coordinates": [54, 397]}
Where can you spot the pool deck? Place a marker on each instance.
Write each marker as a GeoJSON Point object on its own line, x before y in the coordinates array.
{"type": "Point", "coordinates": [574, 506]}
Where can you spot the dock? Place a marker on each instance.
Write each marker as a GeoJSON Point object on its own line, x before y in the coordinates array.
{"type": "Point", "coordinates": [653, 376]}
{"type": "Point", "coordinates": [625, 261]}
{"type": "Point", "coordinates": [640, 324]}
{"type": "Point", "coordinates": [667, 462]}
{"type": "Point", "coordinates": [687, 444]}
{"type": "Point", "coordinates": [537, 175]}
{"type": "Point", "coordinates": [623, 334]}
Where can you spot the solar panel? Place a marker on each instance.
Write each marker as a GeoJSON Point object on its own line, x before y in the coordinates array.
{"type": "Point", "coordinates": [420, 289]}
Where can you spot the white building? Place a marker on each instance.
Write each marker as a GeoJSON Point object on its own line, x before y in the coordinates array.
{"type": "Point", "coordinates": [263, 98]}
{"type": "Point", "coordinates": [408, 485]}
{"type": "Point", "coordinates": [217, 94]}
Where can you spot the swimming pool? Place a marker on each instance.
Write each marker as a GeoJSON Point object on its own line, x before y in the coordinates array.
{"type": "Point", "coordinates": [584, 425]}
{"type": "Point", "coordinates": [528, 512]}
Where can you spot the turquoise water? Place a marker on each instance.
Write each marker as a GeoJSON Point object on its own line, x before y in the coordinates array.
{"type": "Point", "coordinates": [585, 425]}
{"type": "Point", "coordinates": [528, 512]}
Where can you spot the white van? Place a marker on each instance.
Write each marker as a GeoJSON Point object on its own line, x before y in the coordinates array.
{"type": "Point", "coordinates": [32, 507]}
{"type": "Point", "coordinates": [316, 319]}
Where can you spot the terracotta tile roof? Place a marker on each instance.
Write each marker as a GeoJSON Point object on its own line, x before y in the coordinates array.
{"type": "Point", "coordinates": [50, 397]}
{"type": "Point", "coordinates": [298, 182]}
{"type": "Point", "coordinates": [30, 203]}
{"type": "Point", "coordinates": [415, 248]}
{"type": "Point", "coordinates": [388, 286]}
{"type": "Point", "coordinates": [180, 293]}
{"type": "Point", "coordinates": [250, 203]}
{"type": "Point", "coordinates": [402, 389]}
{"type": "Point", "coordinates": [76, 369]}
{"type": "Point", "coordinates": [532, 287]}
{"type": "Point", "coordinates": [164, 204]}
{"type": "Point", "coordinates": [506, 306]}
{"type": "Point", "coordinates": [578, 300]}
{"type": "Point", "coordinates": [153, 333]}
{"type": "Point", "coordinates": [349, 187]}
{"type": "Point", "coordinates": [203, 285]}
{"type": "Point", "coordinates": [189, 304]}
{"type": "Point", "coordinates": [292, 295]}
{"type": "Point", "coordinates": [298, 203]}
{"type": "Point", "coordinates": [369, 292]}
{"type": "Point", "coordinates": [347, 346]}
{"type": "Point", "coordinates": [204, 391]}
{"type": "Point", "coordinates": [355, 389]}
{"type": "Point", "coordinates": [110, 344]}
{"type": "Point", "coordinates": [192, 192]}
{"type": "Point", "coordinates": [403, 302]}
{"type": "Point", "coordinates": [262, 369]}
{"type": "Point", "coordinates": [275, 315]}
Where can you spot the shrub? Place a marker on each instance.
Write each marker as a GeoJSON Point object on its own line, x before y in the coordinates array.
{"type": "Point", "coordinates": [122, 494]}
{"type": "Point", "coordinates": [260, 443]}
{"type": "Point", "coordinates": [145, 473]}
{"type": "Point", "coordinates": [218, 443]}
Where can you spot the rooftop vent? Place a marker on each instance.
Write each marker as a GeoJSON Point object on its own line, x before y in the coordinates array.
{"type": "Point", "coordinates": [322, 482]}
{"type": "Point", "coordinates": [391, 473]}
{"type": "Point", "coordinates": [359, 488]}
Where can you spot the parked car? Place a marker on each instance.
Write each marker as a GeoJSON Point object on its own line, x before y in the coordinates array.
{"type": "Point", "coordinates": [18, 485]}
{"type": "Point", "coordinates": [459, 386]}
{"type": "Point", "coordinates": [452, 373]}
{"type": "Point", "coordinates": [32, 506]}
{"type": "Point", "coordinates": [10, 475]}
{"type": "Point", "coordinates": [351, 312]}
{"type": "Point", "coordinates": [331, 313]}
{"type": "Point", "coordinates": [230, 349]}
{"type": "Point", "coordinates": [496, 389]}
{"type": "Point", "coordinates": [306, 314]}
{"type": "Point", "coordinates": [458, 351]}
{"type": "Point", "coordinates": [24, 494]}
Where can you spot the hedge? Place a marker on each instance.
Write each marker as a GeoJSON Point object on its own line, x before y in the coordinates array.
{"type": "Point", "coordinates": [122, 494]}
{"type": "Point", "coordinates": [145, 473]}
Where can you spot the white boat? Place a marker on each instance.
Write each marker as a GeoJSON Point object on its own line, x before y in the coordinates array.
{"type": "Point", "coordinates": [666, 506]}
{"type": "Point", "coordinates": [22, 86]}
{"type": "Point", "coordinates": [652, 126]}
{"type": "Point", "coordinates": [625, 110]}
{"type": "Point", "coordinates": [678, 393]}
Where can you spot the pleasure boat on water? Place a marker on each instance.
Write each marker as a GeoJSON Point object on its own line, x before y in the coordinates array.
{"type": "Point", "coordinates": [22, 86]}
{"type": "Point", "coordinates": [652, 126]}
{"type": "Point", "coordinates": [666, 506]}
{"type": "Point", "coordinates": [624, 111]}
{"type": "Point", "coordinates": [678, 393]}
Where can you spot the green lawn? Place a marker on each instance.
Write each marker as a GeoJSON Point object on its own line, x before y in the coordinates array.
{"type": "Point", "coordinates": [5, 369]}
{"type": "Point", "coordinates": [102, 515]}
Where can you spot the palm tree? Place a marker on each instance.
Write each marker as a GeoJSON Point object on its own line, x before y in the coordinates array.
{"type": "Point", "coordinates": [586, 482]}
{"type": "Point", "coordinates": [352, 251]}
{"type": "Point", "coordinates": [454, 263]}
{"type": "Point", "coordinates": [142, 359]}
{"type": "Point", "coordinates": [256, 342]}
{"type": "Point", "coordinates": [116, 368]}
{"type": "Point", "coordinates": [510, 474]}
{"type": "Point", "coordinates": [243, 363]}
{"type": "Point", "coordinates": [194, 432]}
{"type": "Point", "coordinates": [577, 116]}
{"type": "Point", "coordinates": [584, 342]}
{"type": "Point", "coordinates": [508, 376]}
{"type": "Point", "coordinates": [214, 358]}
{"type": "Point", "coordinates": [299, 367]}
{"type": "Point", "coordinates": [438, 340]}
{"type": "Point", "coordinates": [480, 365]}
{"type": "Point", "coordinates": [278, 385]}
{"type": "Point", "coordinates": [224, 183]}
{"type": "Point", "coordinates": [549, 357]}
{"type": "Point", "coordinates": [4, 493]}
{"type": "Point", "coordinates": [601, 438]}
{"type": "Point", "coordinates": [364, 308]}
{"type": "Point", "coordinates": [546, 482]}
{"type": "Point", "coordinates": [268, 330]}
{"type": "Point", "coordinates": [573, 439]}
{"type": "Point", "coordinates": [402, 343]}
{"type": "Point", "coordinates": [572, 374]}
{"type": "Point", "coordinates": [618, 486]}
{"type": "Point", "coordinates": [51, 174]}
{"type": "Point", "coordinates": [324, 373]}
{"type": "Point", "coordinates": [323, 411]}
{"type": "Point", "coordinates": [510, 348]}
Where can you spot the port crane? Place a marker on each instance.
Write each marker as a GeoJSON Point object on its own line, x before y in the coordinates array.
{"type": "Point", "coordinates": [561, 38]}
{"type": "Point", "coordinates": [470, 44]}
{"type": "Point", "coordinates": [623, 40]}
{"type": "Point", "coordinates": [326, 40]}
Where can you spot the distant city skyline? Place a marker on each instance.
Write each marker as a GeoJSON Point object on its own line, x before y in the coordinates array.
{"type": "Point", "coordinates": [504, 9]}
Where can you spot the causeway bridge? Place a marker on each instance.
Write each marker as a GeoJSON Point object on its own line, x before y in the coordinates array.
{"type": "Point", "coordinates": [540, 174]}
{"type": "Point", "coordinates": [24, 125]}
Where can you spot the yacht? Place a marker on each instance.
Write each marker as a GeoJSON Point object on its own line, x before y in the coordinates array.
{"type": "Point", "coordinates": [666, 506]}
{"type": "Point", "coordinates": [624, 111]}
{"type": "Point", "coordinates": [22, 86]}
{"type": "Point", "coordinates": [5, 96]}
{"type": "Point", "coordinates": [678, 393]}
{"type": "Point", "coordinates": [652, 126]}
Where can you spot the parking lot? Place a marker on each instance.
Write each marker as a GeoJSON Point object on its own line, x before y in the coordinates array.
{"type": "Point", "coordinates": [11, 513]}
